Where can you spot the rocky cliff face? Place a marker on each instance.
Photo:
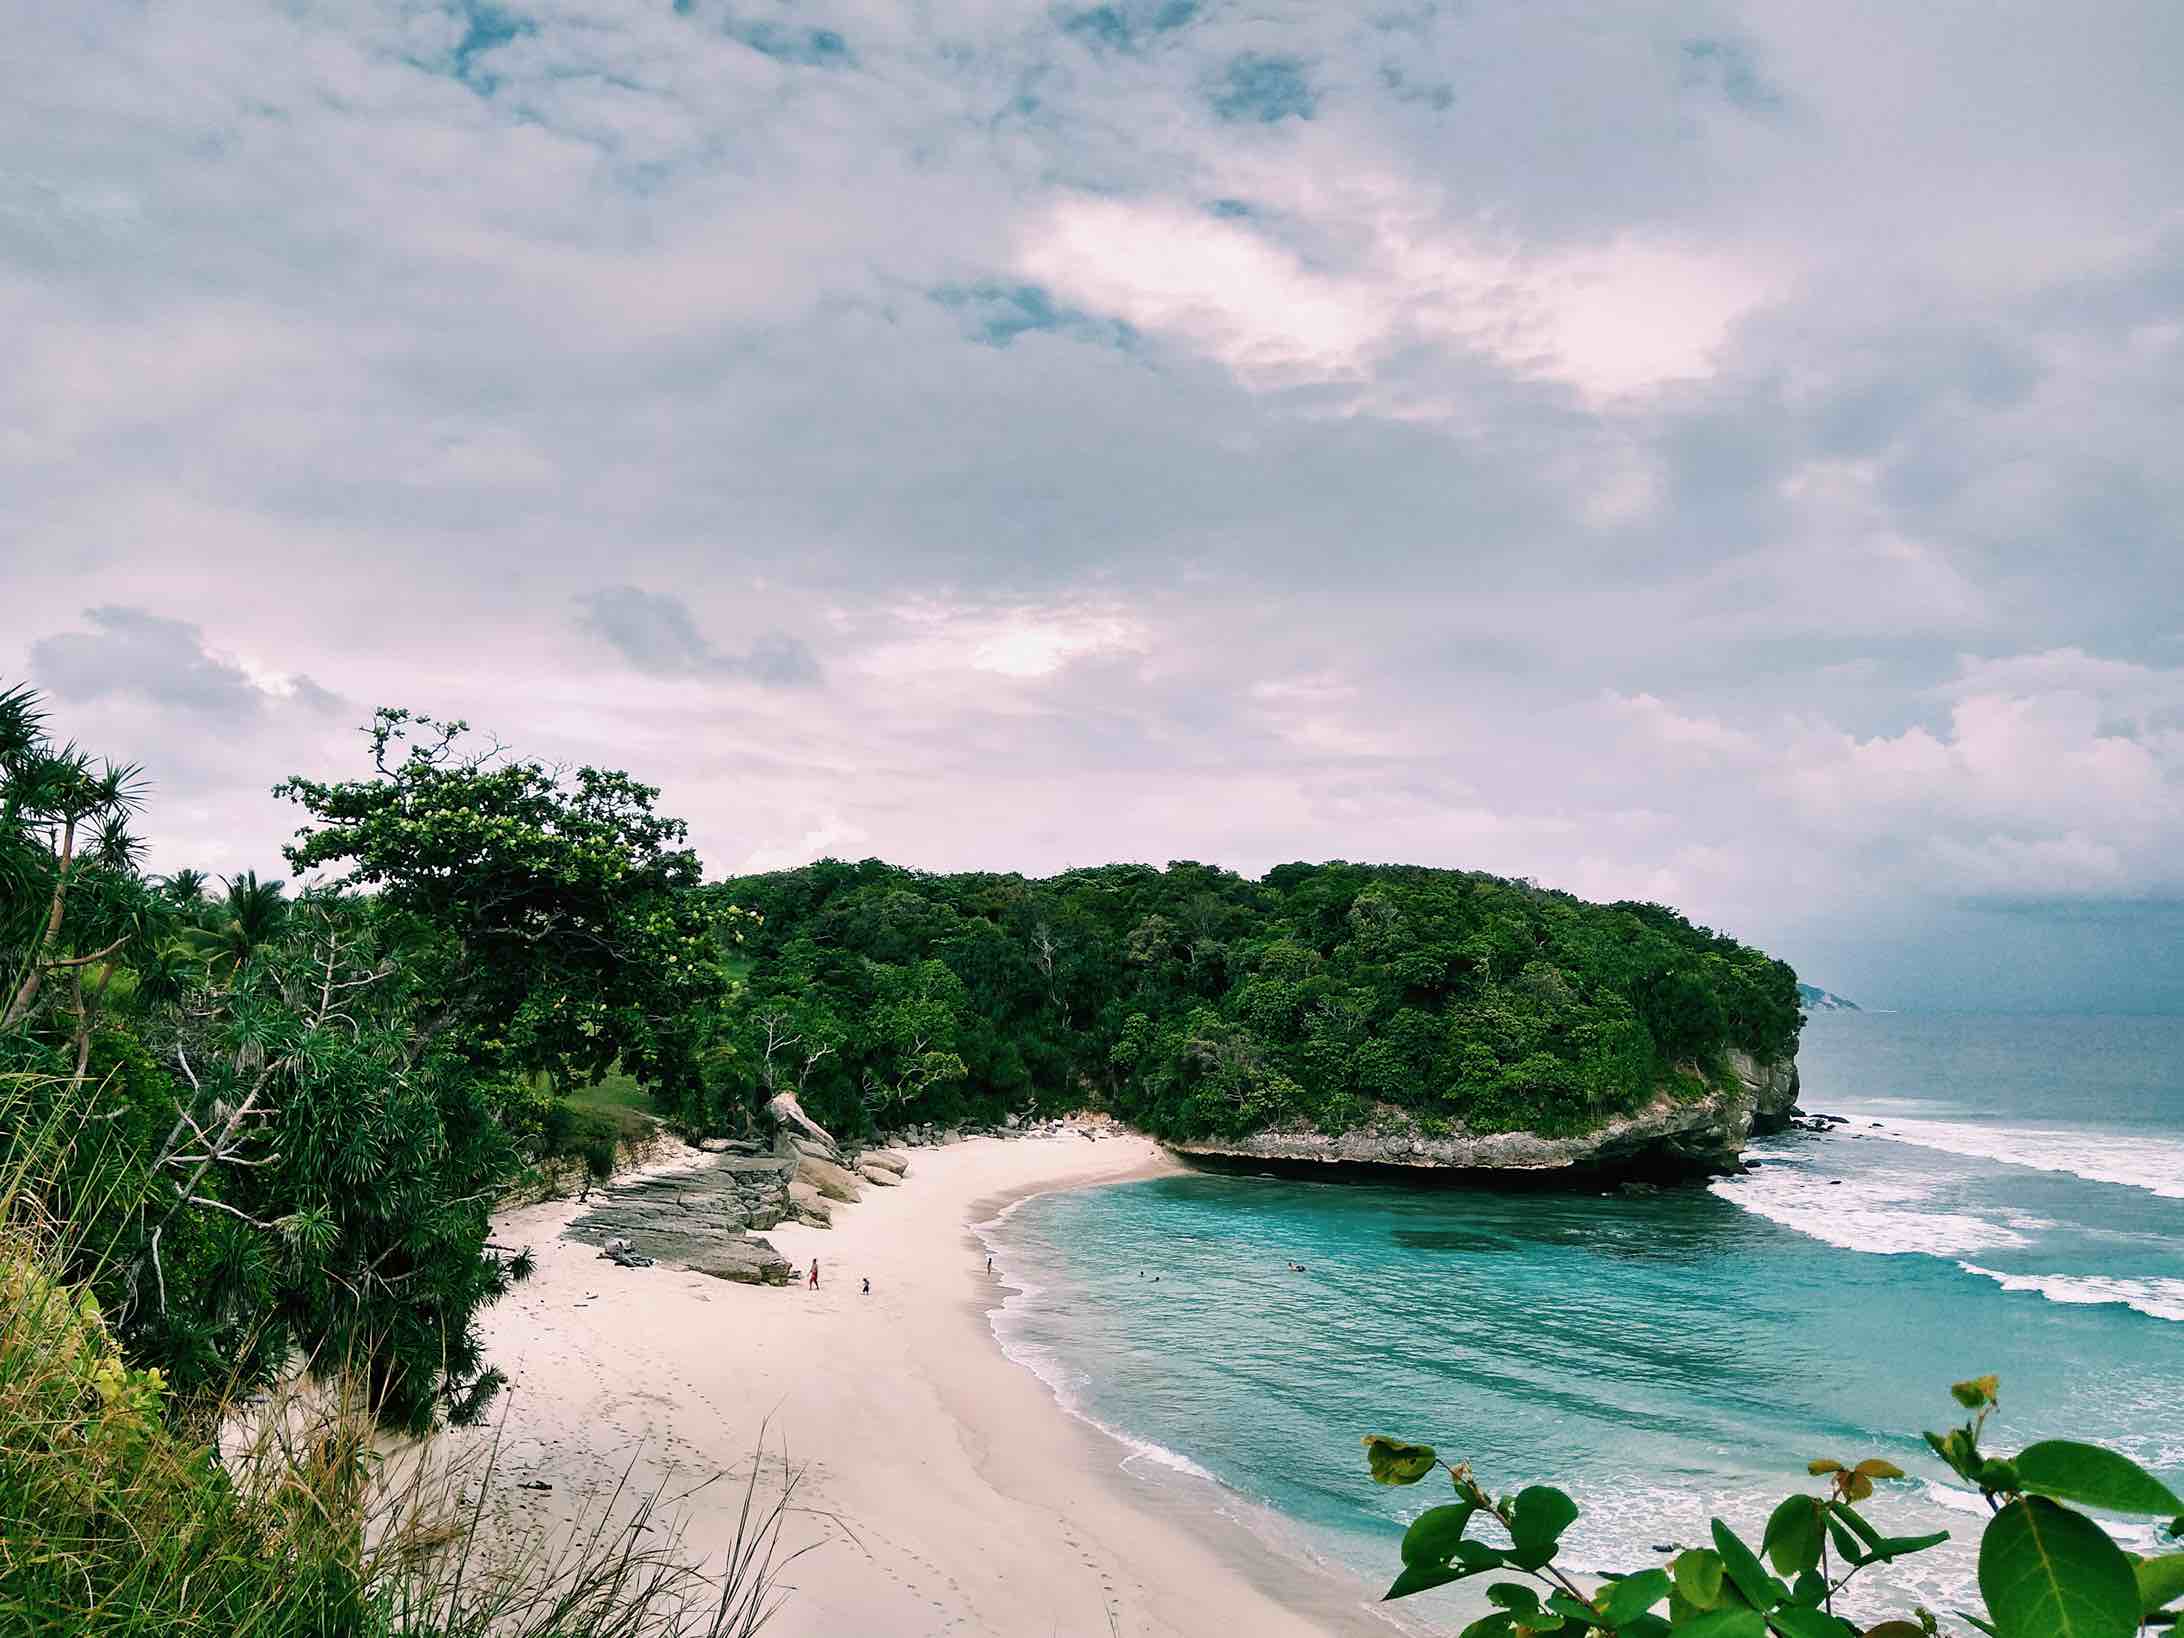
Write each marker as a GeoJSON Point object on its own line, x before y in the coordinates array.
{"type": "Point", "coordinates": [1668, 1138]}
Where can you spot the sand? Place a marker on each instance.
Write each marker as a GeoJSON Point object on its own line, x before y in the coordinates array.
{"type": "Point", "coordinates": [944, 1489]}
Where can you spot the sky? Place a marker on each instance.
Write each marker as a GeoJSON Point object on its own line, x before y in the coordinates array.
{"type": "Point", "coordinates": [1713, 453]}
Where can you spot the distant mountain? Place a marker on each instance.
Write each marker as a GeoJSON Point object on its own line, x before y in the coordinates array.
{"type": "Point", "coordinates": [1814, 999]}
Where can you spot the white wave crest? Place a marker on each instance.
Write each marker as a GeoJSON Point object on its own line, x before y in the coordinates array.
{"type": "Point", "coordinates": [2156, 1297]}
{"type": "Point", "coordinates": [2130, 1161]}
{"type": "Point", "coordinates": [1880, 1213]}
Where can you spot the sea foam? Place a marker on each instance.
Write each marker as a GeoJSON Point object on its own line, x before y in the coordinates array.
{"type": "Point", "coordinates": [1880, 1212]}
{"type": "Point", "coordinates": [2157, 1298]}
{"type": "Point", "coordinates": [2130, 1161]}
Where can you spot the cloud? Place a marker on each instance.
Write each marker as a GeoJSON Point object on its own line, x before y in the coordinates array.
{"type": "Point", "coordinates": [1571, 444]}
{"type": "Point", "coordinates": [130, 652]}
{"type": "Point", "coordinates": [656, 633]}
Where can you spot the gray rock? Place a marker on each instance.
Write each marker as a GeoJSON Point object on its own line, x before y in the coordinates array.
{"type": "Point", "coordinates": [829, 1179]}
{"type": "Point", "coordinates": [748, 1262]}
{"type": "Point", "coordinates": [951, 1136]}
{"type": "Point", "coordinates": [879, 1175]}
{"type": "Point", "coordinates": [1671, 1135]}
{"type": "Point", "coordinates": [808, 1206]}
{"type": "Point", "coordinates": [886, 1160]}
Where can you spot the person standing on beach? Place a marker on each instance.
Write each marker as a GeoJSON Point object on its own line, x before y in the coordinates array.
{"type": "Point", "coordinates": [989, 1263]}
{"type": "Point", "coordinates": [815, 1274]}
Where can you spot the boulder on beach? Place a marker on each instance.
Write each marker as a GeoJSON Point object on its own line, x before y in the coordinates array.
{"type": "Point", "coordinates": [886, 1160]}
{"type": "Point", "coordinates": [808, 1206]}
{"type": "Point", "coordinates": [879, 1175]}
{"type": "Point", "coordinates": [829, 1179]}
{"type": "Point", "coordinates": [747, 1262]}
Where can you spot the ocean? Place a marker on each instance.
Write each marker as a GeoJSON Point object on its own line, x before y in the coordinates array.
{"type": "Point", "coordinates": [2008, 1197]}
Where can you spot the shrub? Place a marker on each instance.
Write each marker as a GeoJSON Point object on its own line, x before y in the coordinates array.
{"type": "Point", "coordinates": [2046, 1570]}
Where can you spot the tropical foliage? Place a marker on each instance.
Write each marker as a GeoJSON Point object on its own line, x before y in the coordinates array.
{"type": "Point", "coordinates": [2046, 1568]}
{"type": "Point", "coordinates": [277, 1123]}
{"type": "Point", "coordinates": [1194, 1001]}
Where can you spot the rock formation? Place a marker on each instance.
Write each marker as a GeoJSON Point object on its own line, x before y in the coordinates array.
{"type": "Point", "coordinates": [1671, 1137]}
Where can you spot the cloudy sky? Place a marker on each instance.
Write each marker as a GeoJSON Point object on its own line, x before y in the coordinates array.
{"type": "Point", "coordinates": [1718, 453]}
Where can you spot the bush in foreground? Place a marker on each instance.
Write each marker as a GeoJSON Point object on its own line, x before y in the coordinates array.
{"type": "Point", "coordinates": [116, 1518]}
{"type": "Point", "coordinates": [2046, 1570]}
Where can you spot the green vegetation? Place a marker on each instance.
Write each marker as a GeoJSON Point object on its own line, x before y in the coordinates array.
{"type": "Point", "coordinates": [286, 1120]}
{"type": "Point", "coordinates": [119, 1517]}
{"type": "Point", "coordinates": [244, 1131]}
{"type": "Point", "coordinates": [2046, 1570]}
{"type": "Point", "coordinates": [1194, 1002]}
{"type": "Point", "coordinates": [246, 1127]}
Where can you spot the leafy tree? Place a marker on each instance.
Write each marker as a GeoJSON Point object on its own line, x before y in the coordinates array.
{"type": "Point", "coordinates": [1339, 994]}
{"type": "Point", "coordinates": [233, 929]}
{"type": "Point", "coordinates": [70, 895]}
{"type": "Point", "coordinates": [552, 917]}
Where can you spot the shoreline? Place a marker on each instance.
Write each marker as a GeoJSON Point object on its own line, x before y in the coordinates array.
{"type": "Point", "coordinates": [946, 1487]}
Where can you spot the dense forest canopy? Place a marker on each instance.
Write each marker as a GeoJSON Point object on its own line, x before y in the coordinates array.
{"type": "Point", "coordinates": [1196, 1002]}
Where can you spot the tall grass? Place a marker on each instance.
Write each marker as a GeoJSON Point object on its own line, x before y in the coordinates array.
{"type": "Point", "coordinates": [124, 1514]}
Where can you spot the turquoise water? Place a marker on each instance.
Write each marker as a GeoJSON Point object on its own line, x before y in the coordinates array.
{"type": "Point", "coordinates": [2019, 1209]}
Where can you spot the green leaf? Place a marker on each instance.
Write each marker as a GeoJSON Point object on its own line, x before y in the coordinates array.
{"type": "Point", "coordinates": [1725, 1624]}
{"type": "Point", "coordinates": [1851, 1516]}
{"type": "Point", "coordinates": [1896, 1629]}
{"type": "Point", "coordinates": [1982, 1626]}
{"type": "Point", "coordinates": [1631, 1597]}
{"type": "Point", "coordinates": [2092, 1477]}
{"type": "Point", "coordinates": [1571, 1609]}
{"type": "Point", "coordinates": [1477, 1555]}
{"type": "Point", "coordinates": [2160, 1581]}
{"type": "Point", "coordinates": [1792, 1539]}
{"type": "Point", "coordinates": [1433, 1534]}
{"type": "Point", "coordinates": [1811, 1587]}
{"type": "Point", "coordinates": [1513, 1596]}
{"type": "Point", "coordinates": [1803, 1621]}
{"type": "Point", "coordinates": [2047, 1572]}
{"type": "Point", "coordinates": [1497, 1625]}
{"type": "Point", "coordinates": [1393, 1462]}
{"type": "Point", "coordinates": [1851, 1549]}
{"type": "Point", "coordinates": [1418, 1578]}
{"type": "Point", "coordinates": [1894, 1547]}
{"type": "Point", "coordinates": [1981, 1390]}
{"type": "Point", "coordinates": [1698, 1576]}
{"type": "Point", "coordinates": [1743, 1568]}
{"type": "Point", "coordinates": [1541, 1515]}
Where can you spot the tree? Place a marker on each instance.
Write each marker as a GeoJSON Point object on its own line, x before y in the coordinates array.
{"type": "Point", "coordinates": [232, 930]}
{"type": "Point", "coordinates": [71, 899]}
{"type": "Point", "coordinates": [326, 1180]}
{"type": "Point", "coordinates": [555, 917]}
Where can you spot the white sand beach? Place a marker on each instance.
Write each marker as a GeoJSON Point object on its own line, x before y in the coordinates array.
{"type": "Point", "coordinates": [944, 1489]}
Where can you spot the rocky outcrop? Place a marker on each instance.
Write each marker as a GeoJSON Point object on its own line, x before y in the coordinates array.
{"type": "Point", "coordinates": [789, 1118]}
{"type": "Point", "coordinates": [1772, 1087]}
{"type": "Point", "coordinates": [748, 1262]}
{"type": "Point", "coordinates": [879, 1176]}
{"type": "Point", "coordinates": [807, 1205]}
{"type": "Point", "coordinates": [698, 1217]}
{"type": "Point", "coordinates": [1669, 1138]}
{"type": "Point", "coordinates": [835, 1182]}
{"type": "Point", "coordinates": [886, 1160]}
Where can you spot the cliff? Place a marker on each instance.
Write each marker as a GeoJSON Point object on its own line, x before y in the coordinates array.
{"type": "Point", "coordinates": [1666, 1139]}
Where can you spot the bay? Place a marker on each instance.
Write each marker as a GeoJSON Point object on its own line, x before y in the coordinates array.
{"type": "Point", "coordinates": [2007, 1197]}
